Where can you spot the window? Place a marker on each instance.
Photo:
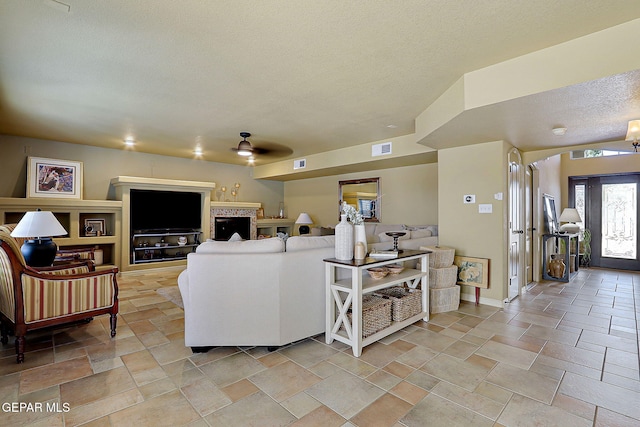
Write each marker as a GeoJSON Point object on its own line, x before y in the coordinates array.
{"type": "Point", "coordinates": [585, 154]}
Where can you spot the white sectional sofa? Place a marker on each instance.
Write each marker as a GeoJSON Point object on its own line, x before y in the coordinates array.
{"type": "Point", "coordinates": [254, 293]}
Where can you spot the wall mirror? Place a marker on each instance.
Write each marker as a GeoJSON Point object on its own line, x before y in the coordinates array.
{"type": "Point", "coordinates": [362, 194]}
{"type": "Point", "coordinates": [550, 216]}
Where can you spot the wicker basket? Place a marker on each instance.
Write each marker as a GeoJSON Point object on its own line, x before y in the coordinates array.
{"type": "Point", "coordinates": [405, 302]}
{"type": "Point", "coordinates": [443, 300]}
{"type": "Point", "coordinates": [444, 277]}
{"type": "Point", "coordinates": [376, 314]}
{"type": "Point", "coordinates": [440, 256]}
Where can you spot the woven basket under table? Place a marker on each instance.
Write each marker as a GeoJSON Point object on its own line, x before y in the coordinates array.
{"type": "Point", "coordinates": [376, 314]}
{"type": "Point", "coordinates": [405, 302]}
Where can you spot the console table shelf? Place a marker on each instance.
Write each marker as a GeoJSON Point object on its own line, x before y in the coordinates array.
{"type": "Point", "coordinates": [345, 294]}
{"type": "Point", "coordinates": [570, 255]}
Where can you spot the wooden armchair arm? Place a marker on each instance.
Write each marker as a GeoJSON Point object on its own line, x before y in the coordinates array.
{"type": "Point", "coordinates": [68, 268]}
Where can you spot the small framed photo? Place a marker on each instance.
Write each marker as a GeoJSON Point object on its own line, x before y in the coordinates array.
{"type": "Point", "coordinates": [260, 213]}
{"type": "Point", "coordinates": [54, 178]}
{"type": "Point", "coordinates": [472, 271]}
{"type": "Point", "coordinates": [94, 227]}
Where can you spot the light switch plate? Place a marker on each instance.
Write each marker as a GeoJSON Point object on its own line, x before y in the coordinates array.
{"type": "Point", "coordinates": [469, 198]}
{"type": "Point", "coordinates": [485, 208]}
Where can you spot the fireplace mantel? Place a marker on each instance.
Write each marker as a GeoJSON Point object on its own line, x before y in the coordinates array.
{"type": "Point", "coordinates": [236, 205]}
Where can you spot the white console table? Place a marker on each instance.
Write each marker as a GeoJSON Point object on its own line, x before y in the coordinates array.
{"type": "Point", "coordinates": [346, 294]}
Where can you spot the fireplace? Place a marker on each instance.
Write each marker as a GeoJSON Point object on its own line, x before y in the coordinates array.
{"type": "Point", "coordinates": [244, 211]}
{"type": "Point", "coordinates": [226, 226]}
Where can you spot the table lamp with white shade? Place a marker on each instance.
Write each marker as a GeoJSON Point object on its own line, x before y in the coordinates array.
{"type": "Point", "coordinates": [38, 227]}
{"type": "Point", "coordinates": [305, 220]}
{"type": "Point", "coordinates": [570, 216]}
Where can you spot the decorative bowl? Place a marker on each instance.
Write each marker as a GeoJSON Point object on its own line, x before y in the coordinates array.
{"type": "Point", "coordinates": [378, 272]}
{"type": "Point", "coordinates": [395, 268]}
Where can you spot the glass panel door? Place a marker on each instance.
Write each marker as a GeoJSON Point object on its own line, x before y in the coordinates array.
{"type": "Point", "coordinates": [611, 215]}
{"type": "Point", "coordinates": [619, 212]}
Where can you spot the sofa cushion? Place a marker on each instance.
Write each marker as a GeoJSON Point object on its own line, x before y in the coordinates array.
{"type": "Point", "coordinates": [274, 244]}
{"type": "Point", "coordinates": [432, 228]}
{"type": "Point", "coordinates": [418, 234]}
{"type": "Point", "coordinates": [301, 243]}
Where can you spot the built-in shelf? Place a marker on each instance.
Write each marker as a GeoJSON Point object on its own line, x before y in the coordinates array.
{"type": "Point", "coordinates": [73, 215]}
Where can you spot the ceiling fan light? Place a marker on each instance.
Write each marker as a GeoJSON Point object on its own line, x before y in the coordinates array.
{"type": "Point", "coordinates": [244, 148]}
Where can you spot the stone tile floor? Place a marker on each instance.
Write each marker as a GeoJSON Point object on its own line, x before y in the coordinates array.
{"type": "Point", "coordinates": [563, 354]}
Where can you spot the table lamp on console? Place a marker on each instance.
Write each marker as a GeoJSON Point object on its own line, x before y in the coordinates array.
{"type": "Point", "coordinates": [39, 250]}
{"type": "Point", "coordinates": [570, 216]}
{"type": "Point", "coordinates": [304, 220]}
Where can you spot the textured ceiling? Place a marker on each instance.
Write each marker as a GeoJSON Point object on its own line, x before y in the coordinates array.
{"type": "Point", "coordinates": [302, 76]}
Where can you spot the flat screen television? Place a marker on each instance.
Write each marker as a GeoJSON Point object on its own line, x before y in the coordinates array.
{"type": "Point", "coordinates": [153, 210]}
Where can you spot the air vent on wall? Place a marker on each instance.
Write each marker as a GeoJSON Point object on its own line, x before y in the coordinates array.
{"type": "Point", "coordinates": [381, 149]}
{"type": "Point", "coordinates": [300, 164]}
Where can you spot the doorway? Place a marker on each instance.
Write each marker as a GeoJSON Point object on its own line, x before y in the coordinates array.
{"type": "Point", "coordinates": [608, 206]}
{"type": "Point", "coordinates": [515, 230]}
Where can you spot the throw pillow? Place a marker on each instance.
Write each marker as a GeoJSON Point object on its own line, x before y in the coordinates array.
{"type": "Point", "coordinates": [418, 234]}
{"type": "Point", "coordinates": [235, 238]}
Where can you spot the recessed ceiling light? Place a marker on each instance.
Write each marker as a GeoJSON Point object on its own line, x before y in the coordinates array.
{"type": "Point", "coordinates": [197, 151]}
{"type": "Point", "coordinates": [392, 126]}
{"type": "Point", "coordinates": [129, 141]}
{"type": "Point", "coordinates": [559, 131]}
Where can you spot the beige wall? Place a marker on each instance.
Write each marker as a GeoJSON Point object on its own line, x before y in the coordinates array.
{"type": "Point", "coordinates": [480, 170]}
{"type": "Point", "coordinates": [409, 195]}
{"type": "Point", "coordinates": [101, 164]}
{"type": "Point", "coordinates": [595, 166]}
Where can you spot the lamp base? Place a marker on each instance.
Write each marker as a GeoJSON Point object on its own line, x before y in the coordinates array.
{"type": "Point", "coordinates": [39, 252]}
{"type": "Point", "coordinates": [304, 229]}
{"type": "Point", "coordinates": [570, 227]}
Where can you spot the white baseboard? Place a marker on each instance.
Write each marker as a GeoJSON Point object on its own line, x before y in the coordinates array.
{"type": "Point", "coordinates": [483, 300]}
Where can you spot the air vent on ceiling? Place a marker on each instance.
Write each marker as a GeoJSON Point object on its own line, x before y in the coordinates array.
{"type": "Point", "coordinates": [381, 149]}
{"type": "Point", "coordinates": [300, 164]}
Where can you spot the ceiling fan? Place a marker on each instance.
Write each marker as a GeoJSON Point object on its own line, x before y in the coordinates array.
{"type": "Point", "coordinates": [269, 149]}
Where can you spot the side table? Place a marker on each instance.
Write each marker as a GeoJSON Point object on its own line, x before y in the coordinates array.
{"type": "Point", "coordinates": [346, 294]}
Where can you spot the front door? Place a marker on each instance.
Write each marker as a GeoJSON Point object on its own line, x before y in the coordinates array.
{"type": "Point", "coordinates": [611, 211]}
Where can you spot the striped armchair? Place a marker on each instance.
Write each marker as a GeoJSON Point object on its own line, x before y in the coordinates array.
{"type": "Point", "coordinates": [33, 298]}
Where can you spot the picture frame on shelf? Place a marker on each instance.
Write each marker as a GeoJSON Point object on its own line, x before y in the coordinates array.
{"type": "Point", "coordinates": [260, 213]}
{"type": "Point", "coordinates": [472, 271]}
{"type": "Point", "coordinates": [94, 227]}
{"type": "Point", "coordinates": [53, 178]}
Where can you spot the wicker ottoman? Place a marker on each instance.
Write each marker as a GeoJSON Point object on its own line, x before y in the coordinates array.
{"type": "Point", "coordinates": [445, 299]}
{"type": "Point", "coordinates": [444, 277]}
{"type": "Point", "coordinates": [441, 256]}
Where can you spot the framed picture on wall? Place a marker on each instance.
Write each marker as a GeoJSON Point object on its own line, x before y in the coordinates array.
{"type": "Point", "coordinates": [54, 178]}
{"type": "Point", "coordinates": [472, 271]}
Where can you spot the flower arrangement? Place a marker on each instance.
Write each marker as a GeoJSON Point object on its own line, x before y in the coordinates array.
{"type": "Point", "coordinates": [354, 216]}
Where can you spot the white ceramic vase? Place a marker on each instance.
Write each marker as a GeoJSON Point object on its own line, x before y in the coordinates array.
{"type": "Point", "coordinates": [344, 239]}
{"type": "Point", "coordinates": [360, 236]}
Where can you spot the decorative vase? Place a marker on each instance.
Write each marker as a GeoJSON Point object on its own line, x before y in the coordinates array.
{"type": "Point", "coordinates": [556, 267]}
{"type": "Point", "coordinates": [344, 239]}
{"type": "Point", "coordinates": [360, 236]}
